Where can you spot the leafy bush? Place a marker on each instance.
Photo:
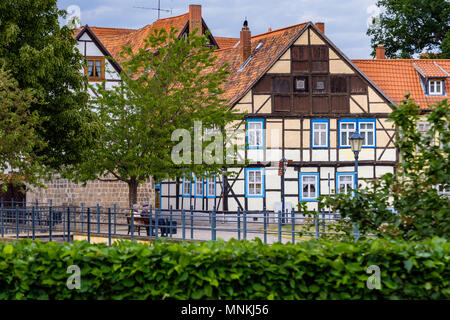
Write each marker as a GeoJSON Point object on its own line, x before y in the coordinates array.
{"type": "Point", "coordinates": [315, 269]}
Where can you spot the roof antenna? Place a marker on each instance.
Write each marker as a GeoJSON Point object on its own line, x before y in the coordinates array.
{"type": "Point", "coordinates": [157, 9]}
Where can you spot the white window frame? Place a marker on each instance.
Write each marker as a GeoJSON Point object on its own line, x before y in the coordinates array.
{"type": "Point", "coordinates": [349, 132]}
{"type": "Point", "coordinates": [338, 182]}
{"type": "Point", "coordinates": [251, 186]}
{"type": "Point", "coordinates": [435, 83]}
{"type": "Point", "coordinates": [187, 183]}
{"type": "Point", "coordinates": [255, 134]}
{"type": "Point", "coordinates": [315, 176]}
{"type": "Point", "coordinates": [319, 131]}
{"type": "Point", "coordinates": [198, 182]}
{"type": "Point", "coordinates": [211, 187]}
{"type": "Point", "coordinates": [363, 132]}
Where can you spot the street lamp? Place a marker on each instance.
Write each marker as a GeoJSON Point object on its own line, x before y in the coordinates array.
{"type": "Point", "coordinates": [356, 141]}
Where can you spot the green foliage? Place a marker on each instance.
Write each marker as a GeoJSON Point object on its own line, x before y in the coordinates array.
{"type": "Point", "coordinates": [163, 89]}
{"type": "Point", "coordinates": [18, 138]}
{"type": "Point", "coordinates": [41, 55]}
{"type": "Point", "coordinates": [226, 270]}
{"type": "Point", "coordinates": [407, 206]}
{"type": "Point", "coordinates": [408, 27]}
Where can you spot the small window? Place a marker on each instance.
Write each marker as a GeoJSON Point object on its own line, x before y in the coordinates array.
{"type": "Point", "coordinates": [367, 130]}
{"type": "Point", "coordinates": [309, 186]}
{"type": "Point", "coordinates": [442, 190]}
{"type": "Point", "coordinates": [95, 68]}
{"type": "Point", "coordinates": [320, 85]}
{"type": "Point", "coordinates": [301, 84]}
{"type": "Point", "coordinates": [186, 188]}
{"type": "Point", "coordinates": [345, 182]}
{"type": "Point", "coordinates": [319, 134]}
{"type": "Point", "coordinates": [198, 188]}
{"type": "Point", "coordinates": [254, 183]}
{"type": "Point", "coordinates": [211, 187]}
{"type": "Point", "coordinates": [435, 87]}
{"type": "Point", "coordinates": [346, 129]}
{"type": "Point", "coordinates": [255, 134]}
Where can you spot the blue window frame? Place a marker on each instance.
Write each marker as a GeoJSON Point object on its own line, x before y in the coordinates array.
{"type": "Point", "coordinates": [198, 187]}
{"type": "Point", "coordinates": [211, 187]}
{"type": "Point", "coordinates": [309, 184]}
{"type": "Point", "coordinates": [186, 187]}
{"type": "Point", "coordinates": [255, 133]}
{"type": "Point", "coordinates": [345, 181]}
{"type": "Point", "coordinates": [254, 183]}
{"type": "Point", "coordinates": [365, 127]}
{"type": "Point", "coordinates": [320, 133]}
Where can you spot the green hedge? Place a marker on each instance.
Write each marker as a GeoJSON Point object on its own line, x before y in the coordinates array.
{"type": "Point", "coordinates": [226, 270]}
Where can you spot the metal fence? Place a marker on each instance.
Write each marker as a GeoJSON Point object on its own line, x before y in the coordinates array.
{"type": "Point", "coordinates": [61, 223]}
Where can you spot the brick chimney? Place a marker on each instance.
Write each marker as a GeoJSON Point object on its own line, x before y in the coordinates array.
{"type": "Point", "coordinates": [195, 18]}
{"type": "Point", "coordinates": [320, 26]}
{"type": "Point", "coordinates": [245, 42]}
{"type": "Point", "coordinates": [380, 52]}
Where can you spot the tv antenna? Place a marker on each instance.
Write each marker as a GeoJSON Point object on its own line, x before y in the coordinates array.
{"type": "Point", "coordinates": [156, 9]}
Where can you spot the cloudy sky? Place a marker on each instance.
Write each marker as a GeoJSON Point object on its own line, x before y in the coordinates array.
{"type": "Point", "coordinates": [346, 21]}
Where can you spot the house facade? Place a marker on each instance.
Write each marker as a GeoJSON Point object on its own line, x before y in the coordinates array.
{"type": "Point", "coordinates": [300, 97]}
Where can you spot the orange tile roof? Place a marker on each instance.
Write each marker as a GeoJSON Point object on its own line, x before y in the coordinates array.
{"type": "Point", "coordinates": [430, 69]}
{"type": "Point", "coordinates": [114, 38]}
{"type": "Point", "coordinates": [225, 42]}
{"type": "Point", "coordinates": [397, 77]}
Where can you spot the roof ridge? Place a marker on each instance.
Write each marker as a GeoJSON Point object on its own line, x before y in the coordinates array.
{"type": "Point", "coordinates": [170, 17]}
{"type": "Point", "coordinates": [278, 30]}
{"type": "Point", "coordinates": [111, 28]}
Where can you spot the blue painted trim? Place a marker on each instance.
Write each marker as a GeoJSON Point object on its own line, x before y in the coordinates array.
{"type": "Point", "coordinates": [182, 189]}
{"type": "Point", "coordinates": [345, 174]}
{"type": "Point", "coordinates": [263, 179]}
{"type": "Point", "coordinates": [312, 132]}
{"type": "Point", "coordinates": [215, 188]}
{"type": "Point", "coordinates": [339, 130]}
{"type": "Point", "coordinates": [374, 130]}
{"type": "Point", "coordinates": [195, 188]}
{"type": "Point", "coordinates": [300, 193]}
{"type": "Point", "coordinates": [262, 134]}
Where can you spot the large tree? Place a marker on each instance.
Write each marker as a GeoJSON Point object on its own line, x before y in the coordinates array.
{"type": "Point", "coordinates": [18, 137]}
{"type": "Point", "coordinates": [40, 55]}
{"type": "Point", "coordinates": [409, 27]}
{"type": "Point", "coordinates": [162, 90]}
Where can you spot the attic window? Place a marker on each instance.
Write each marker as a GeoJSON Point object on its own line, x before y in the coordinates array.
{"type": "Point", "coordinates": [435, 87]}
{"type": "Point", "coordinates": [95, 68]}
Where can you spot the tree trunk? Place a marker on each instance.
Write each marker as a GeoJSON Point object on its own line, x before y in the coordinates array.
{"type": "Point", "coordinates": [132, 192]}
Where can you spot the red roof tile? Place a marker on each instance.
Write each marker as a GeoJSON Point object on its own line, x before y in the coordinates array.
{"type": "Point", "coordinates": [225, 42]}
{"type": "Point", "coordinates": [397, 77]}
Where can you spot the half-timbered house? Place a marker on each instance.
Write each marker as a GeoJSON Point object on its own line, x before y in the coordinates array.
{"type": "Point", "coordinates": [302, 98]}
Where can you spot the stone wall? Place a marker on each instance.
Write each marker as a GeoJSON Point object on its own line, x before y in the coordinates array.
{"type": "Point", "coordinates": [106, 194]}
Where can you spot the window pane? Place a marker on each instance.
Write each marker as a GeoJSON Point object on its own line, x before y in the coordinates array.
{"type": "Point", "coordinates": [90, 68]}
{"type": "Point", "coordinates": [370, 138]}
{"type": "Point", "coordinates": [98, 68]}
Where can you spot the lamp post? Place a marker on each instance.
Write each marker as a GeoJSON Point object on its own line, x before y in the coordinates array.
{"type": "Point", "coordinates": [356, 141]}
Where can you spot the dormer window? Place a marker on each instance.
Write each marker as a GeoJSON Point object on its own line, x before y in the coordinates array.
{"type": "Point", "coordinates": [95, 68]}
{"type": "Point", "coordinates": [435, 87]}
